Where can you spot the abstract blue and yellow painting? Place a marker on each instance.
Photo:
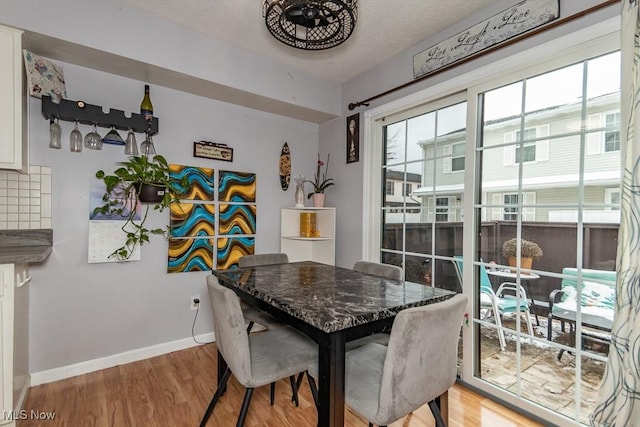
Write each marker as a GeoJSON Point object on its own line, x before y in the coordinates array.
{"type": "Point", "coordinates": [191, 220]}
{"type": "Point", "coordinates": [230, 249]}
{"type": "Point", "coordinates": [201, 182]}
{"type": "Point", "coordinates": [236, 187]}
{"type": "Point", "coordinates": [236, 219]}
{"type": "Point", "coordinates": [190, 255]}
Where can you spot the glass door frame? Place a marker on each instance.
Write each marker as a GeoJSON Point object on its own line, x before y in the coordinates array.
{"type": "Point", "coordinates": [587, 42]}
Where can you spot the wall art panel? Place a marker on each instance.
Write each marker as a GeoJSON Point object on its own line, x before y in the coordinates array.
{"type": "Point", "coordinates": [236, 219]}
{"type": "Point", "coordinates": [236, 187]}
{"type": "Point", "coordinates": [190, 220]}
{"type": "Point", "coordinates": [201, 182]}
{"type": "Point", "coordinates": [230, 249]}
{"type": "Point", "coordinates": [190, 255]}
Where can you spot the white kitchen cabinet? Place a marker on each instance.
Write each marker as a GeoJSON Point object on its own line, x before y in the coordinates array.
{"type": "Point", "coordinates": [14, 355]}
{"type": "Point", "coordinates": [321, 248]}
{"type": "Point", "coordinates": [14, 151]}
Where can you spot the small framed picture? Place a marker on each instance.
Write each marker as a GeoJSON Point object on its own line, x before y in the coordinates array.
{"type": "Point", "coordinates": [353, 138]}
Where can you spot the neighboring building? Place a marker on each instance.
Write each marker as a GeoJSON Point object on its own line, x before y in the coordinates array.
{"type": "Point", "coordinates": [551, 155]}
{"type": "Point", "coordinates": [399, 196]}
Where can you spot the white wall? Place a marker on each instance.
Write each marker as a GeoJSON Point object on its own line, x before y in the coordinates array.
{"type": "Point", "coordinates": [347, 194]}
{"type": "Point", "coordinates": [82, 311]}
{"type": "Point", "coordinates": [109, 26]}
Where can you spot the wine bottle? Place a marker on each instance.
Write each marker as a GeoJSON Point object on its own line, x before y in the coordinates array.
{"type": "Point", "coordinates": [146, 107]}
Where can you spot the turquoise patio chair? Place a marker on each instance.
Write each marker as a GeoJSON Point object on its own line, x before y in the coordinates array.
{"type": "Point", "coordinates": [505, 300]}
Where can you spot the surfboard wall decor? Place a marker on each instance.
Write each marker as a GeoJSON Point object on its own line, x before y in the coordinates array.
{"type": "Point", "coordinates": [285, 167]}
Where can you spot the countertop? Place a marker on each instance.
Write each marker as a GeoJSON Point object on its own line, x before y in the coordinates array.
{"type": "Point", "coordinates": [25, 246]}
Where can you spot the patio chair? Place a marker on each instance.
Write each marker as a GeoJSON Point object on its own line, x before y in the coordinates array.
{"type": "Point", "coordinates": [505, 300]}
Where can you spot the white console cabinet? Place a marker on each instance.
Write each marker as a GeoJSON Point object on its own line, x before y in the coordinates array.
{"type": "Point", "coordinates": [321, 249]}
{"type": "Point", "coordinates": [13, 136]}
{"type": "Point", "coordinates": [14, 378]}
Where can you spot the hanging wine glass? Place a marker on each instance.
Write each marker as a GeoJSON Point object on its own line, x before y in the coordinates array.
{"type": "Point", "coordinates": [131, 146]}
{"type": "Point", "coordinates": [75, 139]}
{"type": "Point", "coordinates": [93, 140]}
{"type": "Point", "coordinates": [146, 148]}
{"type": "Point", "coordinates": [55, 133]}
{"type": "Point", "coordinates": [113, 137]}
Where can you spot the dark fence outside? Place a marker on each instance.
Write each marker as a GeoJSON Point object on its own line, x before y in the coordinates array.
{"type": "Point", "coordinates": [558, 241]}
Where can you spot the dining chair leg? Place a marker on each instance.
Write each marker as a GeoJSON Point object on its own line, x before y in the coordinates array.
{"type": "Point", "coordinates": [435, 410]}
{"type": "Point", "coordinates": [272, 394]}
{"type": "Point", "coordinates": [314, 389]}
{"type": "Point", "coordinates": [245, 407]}
{"type": "Point", "coordinates": [249, 326]}
{"type": "Point", "coordinates": [216, 396]}
{"type": "Point", "coordinates": [298, 383]}
{"type": "Point", "coordinates": [294, 389]}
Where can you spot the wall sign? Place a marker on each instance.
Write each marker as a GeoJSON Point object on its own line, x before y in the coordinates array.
{"type": "Point", "coordinates": [212, 150]}
{"type": "Point", "coordinates": [515, 20]}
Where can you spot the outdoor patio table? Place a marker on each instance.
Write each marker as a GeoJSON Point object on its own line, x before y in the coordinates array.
{"type": "Point", "coordinates": [332, 305]}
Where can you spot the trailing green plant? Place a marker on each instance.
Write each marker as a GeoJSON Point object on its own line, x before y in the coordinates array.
{"type": "Point", "coordinates": [527, 249]}
{"type": "Point", "coordinates": [121, 197]}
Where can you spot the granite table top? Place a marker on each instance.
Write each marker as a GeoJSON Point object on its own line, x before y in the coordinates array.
{"type": "Point", "coordinates": [327, 297]}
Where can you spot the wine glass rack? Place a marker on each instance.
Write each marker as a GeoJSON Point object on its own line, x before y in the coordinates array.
{"type": "Point", "coordinates": [88, 114]}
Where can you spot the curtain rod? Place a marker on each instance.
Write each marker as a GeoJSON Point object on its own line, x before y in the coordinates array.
{"type": "Point", "coordinates": [533, 32]}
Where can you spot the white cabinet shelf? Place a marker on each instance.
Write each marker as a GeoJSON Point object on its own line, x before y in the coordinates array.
{"type": "Point", "coordinates": [298, 248]}
{"type": "Point", "coordinates": [13, 136]}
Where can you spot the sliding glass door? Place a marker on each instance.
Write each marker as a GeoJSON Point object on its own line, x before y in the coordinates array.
{"type": "Point", "coordinates": [523, 166]}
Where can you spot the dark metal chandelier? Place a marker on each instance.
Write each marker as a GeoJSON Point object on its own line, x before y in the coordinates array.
{"type": "Point", "coordinates": [310, 24]}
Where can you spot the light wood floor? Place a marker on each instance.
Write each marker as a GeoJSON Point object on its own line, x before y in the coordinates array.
{"type": "Point", "coordinates": [174, 390]}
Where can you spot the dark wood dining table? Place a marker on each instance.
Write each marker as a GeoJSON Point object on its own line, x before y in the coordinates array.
{"type": "Point", "coordinates": [332, 305]}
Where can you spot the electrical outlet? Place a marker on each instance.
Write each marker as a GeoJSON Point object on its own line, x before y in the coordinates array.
{"type": "Point", "coordinates": [192, 302]}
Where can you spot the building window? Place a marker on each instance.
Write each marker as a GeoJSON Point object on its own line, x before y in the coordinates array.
{"type": "Point", "coordinates": [389, 188]}
{"type": "Point", "coordinates": [612, 197]}
{"type": "Point", "coordinates": [407, 189]}
{"type": "Point", "coordinates": [457, 157]}
{"type": "Point", "coordinates": [527, 152]}
{"type": "Point", "coordinates": [442, 209]}
{"type": "Point", "coordinates": [612, 132]}
{"type": "Point", "coordinates": [510, 207]}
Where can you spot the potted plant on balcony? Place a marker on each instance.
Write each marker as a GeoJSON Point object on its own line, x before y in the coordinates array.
{"type": "Point", "coordinates": [528, 251]}
{"type": "Point", "coordinates": [143, 179]}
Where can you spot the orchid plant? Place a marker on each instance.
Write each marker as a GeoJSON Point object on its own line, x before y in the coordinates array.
{"type": "Point", "coordinates": [320, 183]}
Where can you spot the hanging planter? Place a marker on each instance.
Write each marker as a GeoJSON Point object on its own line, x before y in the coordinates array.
{"type": "Point", "coordinates": [150, 193]}
{"type": "Point", "coordinates": [138, 179]}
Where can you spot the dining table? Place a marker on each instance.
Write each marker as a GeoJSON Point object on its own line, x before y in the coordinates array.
{"type": "Point", "coordinates": [332, 305]}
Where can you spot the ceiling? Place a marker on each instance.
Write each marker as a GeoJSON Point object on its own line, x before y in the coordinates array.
{"type": "Point", "coordinates": [384, 29]}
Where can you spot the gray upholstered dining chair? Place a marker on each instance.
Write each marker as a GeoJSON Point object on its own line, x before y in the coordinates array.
{"type": "Point", "coordinates": [379, 269]}
{"type": "Point", "coordinates": [251, 314]}
{"type": "Point", "coordinates": [257, 359]}
{"type": "Point", "coordinates": [383, 384]}
{"type": "Point", "coordinates": [388, 271]}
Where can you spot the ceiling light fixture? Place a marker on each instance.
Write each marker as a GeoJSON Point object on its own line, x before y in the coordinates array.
{"type": "Point", "coordinates": [310, 24]}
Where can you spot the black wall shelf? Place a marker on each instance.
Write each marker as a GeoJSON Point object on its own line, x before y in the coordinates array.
{"type": "Point", "coordinates": [88, 114]}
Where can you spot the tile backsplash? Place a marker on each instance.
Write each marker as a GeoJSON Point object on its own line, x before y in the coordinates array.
{"type": "Point", "coordinates": [25, 200]}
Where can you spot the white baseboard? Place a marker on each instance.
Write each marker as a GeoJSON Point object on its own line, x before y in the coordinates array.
{"type": "Point", "coordinates": [85, 367]}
